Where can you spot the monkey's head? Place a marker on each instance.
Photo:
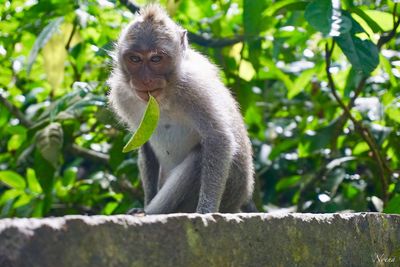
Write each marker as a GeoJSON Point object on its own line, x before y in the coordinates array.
{"type": "Point", "coordinates": [150, 50]}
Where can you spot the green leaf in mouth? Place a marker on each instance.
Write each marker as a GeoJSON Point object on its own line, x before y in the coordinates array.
{"type": "Point", "coordinates": [146, 127]}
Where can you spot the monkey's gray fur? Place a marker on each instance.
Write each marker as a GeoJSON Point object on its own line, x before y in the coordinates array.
{"type": "Point", "coordinates": [199, 159]}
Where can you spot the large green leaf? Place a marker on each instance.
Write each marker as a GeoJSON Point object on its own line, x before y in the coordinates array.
{"type": "Point", "coordinates": [42, 40]}
{"type": "Point", "coordinates": [362, 54]}
{"type": "Point", "coordinates": [146, 127]}
{"type": "Point", "coordinates": [319, 14]}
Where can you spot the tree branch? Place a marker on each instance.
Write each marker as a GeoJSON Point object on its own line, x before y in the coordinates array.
{"type": "Point", "coordinates": [363, 131]}
{"type": "Point", "coordinates": [386, 38]}
{"type": "Point", "coordinates": [131, 6]}
{"type": "Point", "coordinates": [94, 156]}
{"type": "Point", "coordinates": [193, 37]}
{"type": "Point", "coordinates": [209, 42]}
{"type": "Point", "coordinates": [15, 112]}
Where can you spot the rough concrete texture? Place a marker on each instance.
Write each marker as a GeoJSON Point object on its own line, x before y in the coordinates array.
{"type": "Point", "coordinates": [366, 239]}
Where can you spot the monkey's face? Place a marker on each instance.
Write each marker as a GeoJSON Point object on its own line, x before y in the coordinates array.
{"type": "Point", "coordinates": [147, 71]}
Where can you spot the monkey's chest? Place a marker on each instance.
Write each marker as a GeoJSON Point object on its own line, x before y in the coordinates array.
{"type": "Point", "coordinates": [172, 142]}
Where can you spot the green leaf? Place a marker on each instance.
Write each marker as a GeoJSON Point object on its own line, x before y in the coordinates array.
{"type": "Point", "coordinates": [23, 200]}
{"type": "Point", "coordinates": [255, 121]}
{"type": "Point", "coordinates": [16, 141]}
{"type": "Point", "coordinates": [383, 19]}
{"type": "Point", "coordinates": [393, 206]}
{"type": "Point", "coordinates": [109, 208]}
{"type": "Point", "coordinates": [318, 140]}
{"type": "Point", "coordinates": [12, 179]}
{"type": "Point", "coordinates": [319, 15]}
{"type": "Point", "coordinates": [253, 23]}
{"type": "Point", "coordinates": [302, 81]}
{"type": "Point", "coordinates": [42, 39]}
{"type": "Point", "coordinates": [393, 112]}
{"type": "Point", "coordinates": [252, 17]}
{"type": "Point", "coordinates": [353, 79]}
{"type": "Point", "coordinates": [45, 172]}
{"type": "Point", "coordinates": [371, 23]}
{"type": "Point", "coordinates": [146, 127]}
{"type": "Point", "coordinates": [54, 55]}
{"type": "Point", "coordinates": [284, 6]}
{"type": "Point", "coordinates": [362, 54]}
{"type": "Point", "coordinates": [285, 183]}
{"type": "Point", "coordinates": [271, 71]}
{"type": "Point", "coordinates": [246, 70]}
{"type": "Point", "coordinates": [9, 195]}
{"type": "Point", "coordinates": [69, 177]}
{"type": "Point", "coordinates": [33, 183]}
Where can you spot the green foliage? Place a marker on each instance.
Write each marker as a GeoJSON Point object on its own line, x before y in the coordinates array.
{"type": "Point", "coordinates": [61, 147]}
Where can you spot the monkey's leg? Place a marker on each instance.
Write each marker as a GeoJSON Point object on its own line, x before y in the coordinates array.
{"type": "Point", "coordinates": [180, 185]}
{"type": "Point", "coordinates": [149, 171]}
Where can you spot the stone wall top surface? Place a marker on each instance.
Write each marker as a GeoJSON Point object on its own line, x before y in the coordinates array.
{"type": "Point", "coordinates": [252, 239]}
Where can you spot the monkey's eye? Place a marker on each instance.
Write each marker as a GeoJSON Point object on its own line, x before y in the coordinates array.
{"type": "Point", "coordinates": [135, 59]}
{"type": "Point", "coordinates": [155, 59]}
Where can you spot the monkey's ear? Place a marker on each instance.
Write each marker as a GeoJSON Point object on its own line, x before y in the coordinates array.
{"type": "Point", "coordinates": [184, 39]}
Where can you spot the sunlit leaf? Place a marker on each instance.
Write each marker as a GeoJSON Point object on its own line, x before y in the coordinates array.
{"type": "Point", "coordinates": [42, 39]}
{"type": "Point", "coordinates": [246, 70]}
{"type": "Point", "coordinates": [33, 183]}
{"type": "Point", "coordinates": [9, 195]}
{"type": "Point", "coordinates": [371, 23]}
{"type": "Point", "coordinates": [393, 112]}
{"type": "Point", "coordinates": [109, 208]}
{"type": "Point", "coordinates": [16, 141]}
{"type": "Point", "coordinates": [23, 200]}
{"type": "Point", "coordinates": [146, 127]}
{"type": "Point", "coordinates": [69, 176]}
{"type": "Point", "coordinates": [54, 55]}
{"type": "Point", "coordinates": [12, 179]}
{"type": "Point", "coordinates": [383, 19]}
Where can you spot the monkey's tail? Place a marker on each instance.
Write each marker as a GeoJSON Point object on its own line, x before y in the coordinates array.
{"type": "Point", "coordinates": [249, 207]}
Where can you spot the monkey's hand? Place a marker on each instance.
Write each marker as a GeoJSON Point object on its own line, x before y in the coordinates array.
{"type": "Point", "coordinates": [136, 211]}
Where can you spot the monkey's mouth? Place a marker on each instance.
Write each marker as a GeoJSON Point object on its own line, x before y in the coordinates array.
{"type": "Point", "coordinates": [144, 95]}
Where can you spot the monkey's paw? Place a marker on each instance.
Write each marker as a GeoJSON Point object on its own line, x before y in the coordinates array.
{"type": "Point", "coordinates": [136, 211]}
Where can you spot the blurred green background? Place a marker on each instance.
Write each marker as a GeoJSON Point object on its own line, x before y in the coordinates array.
{"type": "Point", "coordinates": [317, 82]}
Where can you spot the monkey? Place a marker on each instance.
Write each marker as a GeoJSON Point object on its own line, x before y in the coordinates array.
{"type": "Point", "coordinates": [199, 159]}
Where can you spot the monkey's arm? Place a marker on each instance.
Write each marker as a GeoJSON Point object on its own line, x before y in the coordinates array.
{"type": "Point", "coordinates": [217, 146]}
{"type": "Point", "coordinates": [216, 160]}
{"type": "Point", "coordinates": [149, 171]}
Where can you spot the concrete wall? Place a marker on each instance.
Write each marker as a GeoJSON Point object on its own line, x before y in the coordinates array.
{"type": "Point", "coordinates": [366, 239]}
